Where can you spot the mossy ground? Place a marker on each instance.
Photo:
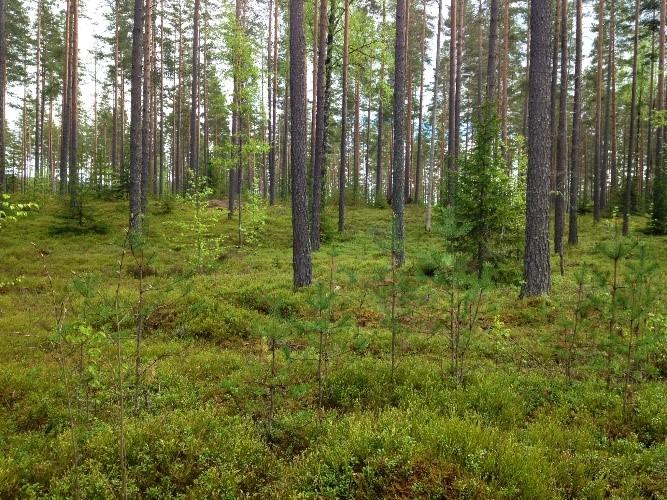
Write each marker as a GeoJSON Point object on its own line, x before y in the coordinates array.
{"type": "Point", "coordinates": [197, 425]}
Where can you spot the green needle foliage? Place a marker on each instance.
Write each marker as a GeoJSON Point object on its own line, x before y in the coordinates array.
{"type": "Point", "coordinates": [489, 204]}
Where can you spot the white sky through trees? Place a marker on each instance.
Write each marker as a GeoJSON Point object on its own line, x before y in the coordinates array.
{"type": "Point", "coordinates": [92, 23]}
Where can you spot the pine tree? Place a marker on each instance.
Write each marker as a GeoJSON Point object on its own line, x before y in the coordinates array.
{"type": "Point", "coordinates": [561, 152]}
{"type": "Point", "coordinates": [398, 202]}
{"type": "Point", "coordinates": [136, 118]}
{"type": "Point", "coordinates": [632, 134]}
{"type": "Point", "coordinates": [573, 233]}
{"type": "Point", "coordinates": [3, 91]}
{"type": "Point", "coordinates": [297, 67]}
{"type": "Point", "coordinates": [434, 114]}
{"type": "Point", "coordinates": [343, 120]}
{"type": "Point", "coordinates": [320, 129]}
{"type": "Point", "coordinates": [536, 270]}
{"type": "Point", "coordinates": [659, 212]}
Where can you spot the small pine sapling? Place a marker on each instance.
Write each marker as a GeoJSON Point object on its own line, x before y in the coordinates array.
{"type": "Point", "coordinates": [572, 326]}
{"type": "Point", "coordinates": [639, 298]}
{"type": "Point", "coordinates": [461, 297]}
{"type": "Point", "coordinates": [616, 250]}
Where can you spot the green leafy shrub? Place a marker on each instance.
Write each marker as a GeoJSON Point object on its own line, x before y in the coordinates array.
{"type": "Point", "coordinates": [10, 211]}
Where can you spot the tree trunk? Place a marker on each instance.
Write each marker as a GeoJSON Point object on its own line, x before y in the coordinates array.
{"type": "Point", "coordinates": [320, 125]}
{"type": "Point", "coordinates": [612, 92]}
{"type": "Point", "coordinates": [606, 127]}
{"type": "Point", "coordinates": [397, 202]}
{"type": "Point", "coordinates": [573, 233]}
{"type": "Point", "coordinates": [632, 135]}
{"type": "Point", "coordinates": [493, 48]}
{"type": "Point", "coordinates": [73, 171]}
{"type": "Point", "coordinates": [659, 212]}
{"type": "Point", "coordinates": [38, 139]}
{"type": "Point", "coordinates": [561, 156]}
{"type": "Point", "coordinates": [597, 167]}
{"type": "Point", "coordinates": [408, 115]}
{"type": "Point", "coordinates": [554, 99]}
{"type": "Point", "coordinates": [146, 107]}
{"type": "Point", "coordinates": [525, 102]}
{"type": "Point", "coordinates": [203, 86]}
{"type": "Point", "coordinates": [135, 118]}
{"type": "Point", "coordinates": [343, 121]}
{"type": "Point", "coordinates": [536, 270]}
{"type": "Point", "coordinates": [460, 40]}
{"type": "Point", "coordinates": [3, 91]}
{"type": "Point", "coordinates": [64, 129]}
{"type": "Point", "coordinates": [301, 243]}
{"type": "Point", "coordinates": [114, 111]}
{"type": "Point", "coordinates": [357, 139]}
{"type": "Point", "coordinates": [368, 150]}
{"type": "Point", "coordinates": [313, 107]}
{"type": "Point", "coordinates": [451, 142]}
{"type": "Point", "coordinates": [650, 158]}
{"type": "Point", "coordinates": [194, 102]}
{"type": "Point", "coordinates": [380, 114]}
{"type": "Point", "coordinates": [161, 173]}
{"type": "Point", "coordinates": [418, 165]}
{"type": "Point", "coordinates": [434, 117]}
{"type": "Point", "coordinates": [273, 71]}
{"type": "Point", "coordinates": [504, 80]}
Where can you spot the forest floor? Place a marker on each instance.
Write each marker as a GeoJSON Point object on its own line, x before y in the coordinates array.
{"type": "Point", "coordinates": [209, 409]}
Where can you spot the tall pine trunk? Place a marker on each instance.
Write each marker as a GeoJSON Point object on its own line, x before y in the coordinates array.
{"type": "Point", "coordinates": [434, 116]}
{"type": "Point", "coordinates": [194, 102]}
{"type": "Point", "coordinates": [357, 140]}
{"type": "Point", "coordinates": [561, 154]}
{"type": "Point", "coordinates": [380, 115]}
{"type": "Point", "coordinates": [573, 233]}
{"type": "Point", "coordinates": [659, 212]}
{"type": "Point", "coordinates": [3, 92]}
{"type": "Point", "coordinates": [451, 140]}
{"type": "Point", "coordinates": [320, 126]}
{"type": "Point", "coordinates": [597, 166]}
{"type": "Point", "coordinates": [554, 98]}
{"type": "Point", "coordinates": [73, 169]}
{"type": "Point", "coordinates": [493, 49]}
{"type": "Point", "coordinates": [301, 241]}
{"type": "Point", "coordinates": [146, 107]}
{"type": "Point", "coordinates": [504, 79]}
{"type": "Point", "coordinates": [408, 115]}
{"type": "Point", "coordinates": [114, 111]}
{"type": "Point", "coordinates": [135, 118]}
{"type": "Point", "coordinates": [536, 269]}
{"type": "Point", "coordinates": [632, 134]}
{"type": "Point", "coordinates": [398, 202]}
{"type": "Point", "coordinates": [38, 56]}
{"type": "Point", "coordinates": [343, 121]}
{"type": "Point", "coordinates": [418, 164]}
{"type": "Point", "coordinates": [64, 128]}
